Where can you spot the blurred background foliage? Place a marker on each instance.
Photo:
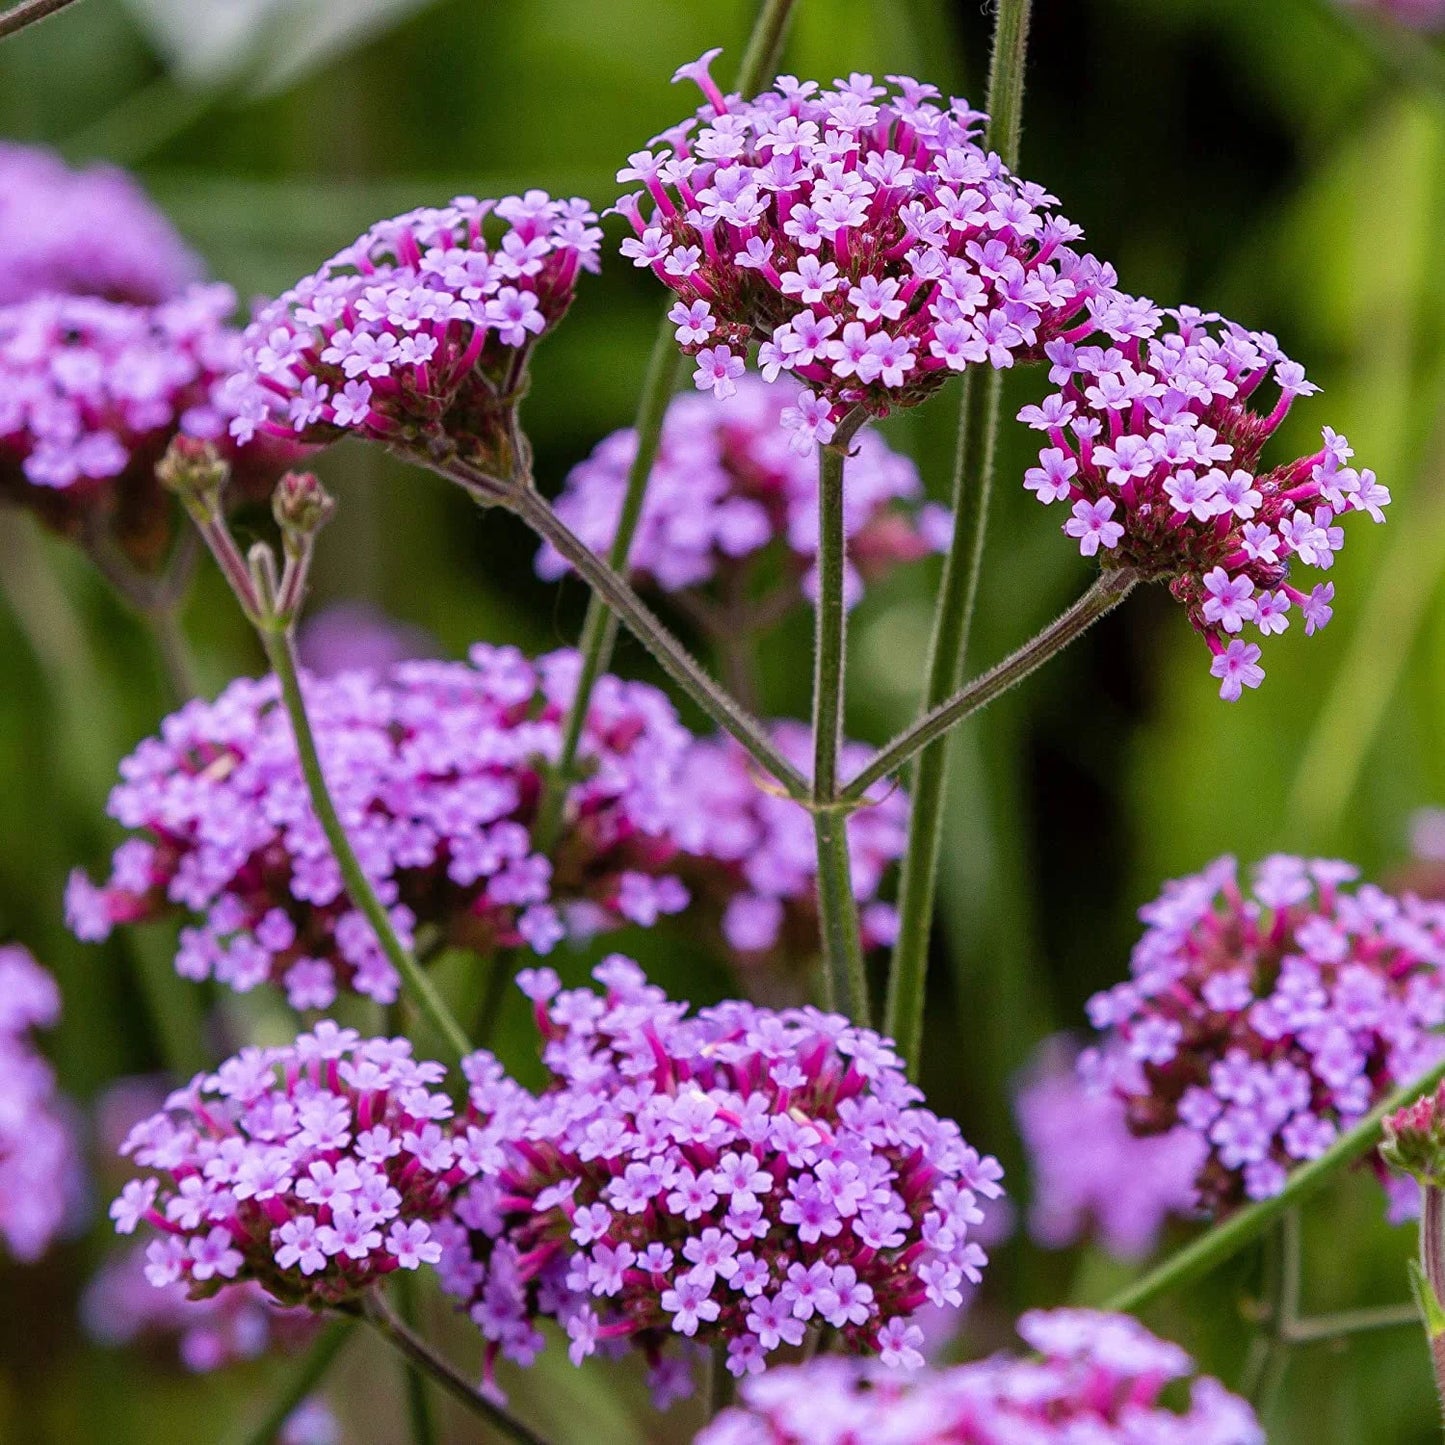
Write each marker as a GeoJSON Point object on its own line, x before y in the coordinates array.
{"type": "Point", "coordinates": [1279, 162]}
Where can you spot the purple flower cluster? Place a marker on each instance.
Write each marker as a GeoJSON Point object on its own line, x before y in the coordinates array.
{"type": "Point", "coordinates": [726, 485]}
{"type": "Point", "coordinates": [39, 1161]}
{"type": "Point", "coordinates": [122, 1307]}
{"type": "Point", "coordinates": [93, 391]}
{"type": "Point", "coordinates": [1266, 1021]}
{"type": "Point", "coordinates": [84, 233]}
{"type": "Point", "coordinates": [861, 235]}
{"type": "Point", "coordinates": [421, 327]}
{"type": "Point", "coordinates": [436, 769]}
{"type": "Point", "coordinates": [738, 1177]}
{"type": "Point", "coordinates": [750, 853]}
{"type": "Point", "coordinates": [1091, 1174]}
{"type": "Point", "coordinates": [1098, 1380]}
{"type": "Point", "coordinates": [1155, 447]}
{"type": "Point", "coordinates": [314, 1169]}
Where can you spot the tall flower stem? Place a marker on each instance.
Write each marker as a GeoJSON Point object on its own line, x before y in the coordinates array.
{"type": "Point", "coordinates": [26, 13]}
{"type": "Point", "coordinates": [396, 1333]}
{"type": "Point", "coordinates": [953, 614]}
{"type": "Point", "coordinates": [1231, 1235]}
{"type": "Point", "coordinates": [310, 1370]}
{"type": "Point", "coordinates": [1428, 1279]}
{"type": "Point", "coordinates": [1269, 1351]}
{"type": "Point", "coordinates": [674, 658]}
{"type": "Point", "coordinates": [1108, 590]}
{"type": "Point", "coordinates": [664, 365]}
{"type": "Point", "coordinates": [418, 1405]}
{"type": "Point", "coordinates": [1343, 1323]}
{"type": "Point", "coordinates": [281, 653]}
{"type": "Point", "coordinates": [846, 985]}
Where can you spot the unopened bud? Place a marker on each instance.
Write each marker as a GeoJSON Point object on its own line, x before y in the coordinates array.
{"type": "Point", "coordinates": [1414, 1139]}
{"type": "Point", "coordinates": [302, 506]}
{"type": "Point", "coordinates": [195, 472]}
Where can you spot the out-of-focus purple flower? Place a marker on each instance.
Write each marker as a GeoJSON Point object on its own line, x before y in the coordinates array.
{"type": "Point", "coordinates": [122, 1307]}
{"type": "Point", "coordinates": [750, 853]}
{"type": "Point", "coordinates": [1096, 1378]}
{"type": "Point", "coordinates": [93, 391]}
{"type": "Point", "coordinates": [436, 767]}
{"type": "Point", "coordinates": [418, 330]}
{"type": "Point", "coordinates": [1426, 15]}
{"type": "Point", "coordinates": [90, 232]}
{"type": "Point", "coordinates": [738, 1177]}
{"type": "Point", "coordinates": [728, 485]}
{"type": "Point", "coordinates": [312, 1422]}
{"type": "Point", "coordinates": [1091, 1174]}
{"type": "Point", "coordinates": [357, 637]}
{"type": "Point", "coordinates": [313, 1170]}
{"type": "Point", "coordinates": [1154, 443]}
{"type": "Point", "coordinates": [1268, 1021]}
{"type": "Point", "coordinates": [861, 236]}
{"type": "Point", "coordinates": [39, 1160]}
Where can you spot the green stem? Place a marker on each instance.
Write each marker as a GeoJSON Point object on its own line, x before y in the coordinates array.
{"type": "Point", "coordinates": [27, 12]}
{"type": "Point", "coordinates": [395, 1332]}
{"type": "Point", "coordinates": [418, 1406]}
{"type": "Point", "coordinates": [310, 1370]}
{"type": "Point", "coordinates": [1107, 591]}
{"type": "Point", "coordinates": [644, 624]}
{"type": "Point", "coordinates": [281, 652]}
{"type": "Point", "coordinates": [664, 365]}
{"type": "Point", "coordinates": [1352, 1322]}
{"type": "Point", "coordinates": [847, 983]}
{"type": "Point", "coordinates": [178, 663]}
{"type": "Point", "coordinates": [1269, 1351]}
{"type": "Point", "coordinates": [720, 1383]}
{"type": "Point", "coordinates": [1227, 1238]}
{"type": "Point", "coordinates": [953, 614]}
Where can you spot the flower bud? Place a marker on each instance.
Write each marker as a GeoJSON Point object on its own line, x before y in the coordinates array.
{"type": "Point", "coordinates": [196, 473]}
{"type": "Point", "coordinates": [302, 506]}
{"type": "Point", "coordinates": [1414, 1142]}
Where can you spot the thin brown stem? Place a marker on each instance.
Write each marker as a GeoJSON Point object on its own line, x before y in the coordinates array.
{"type": "Point", "coordinates": [28, 12]}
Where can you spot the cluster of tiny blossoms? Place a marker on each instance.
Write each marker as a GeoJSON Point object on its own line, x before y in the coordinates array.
{"type": "Point", "coordinates": [421, 327]}
{"type": "Point", "coordinates": [1098, 1379]}
{"type": "Point", "coordinates": [314, 1169]}
{"type": "Point", "coordinates": [726, 485]}
{"type": "Point", "coordinates": [737, 1177]}
{"type": "Point", "coordinates": [39, 1162]}
{"type": "Point", "coordinates": [93, 391]}
{"type": "Point", "coordinates": [1266, 1021]}
{"type": "Point", "coordinates": [436, 769]}
{"type": "Point", "coordinates": [861, 235]}
{"type": "Point", "coordinates": [92, 232]}
{"type": "Point", "coordinates": [1091, 1174]}
{"type": "Point", "coordinates": [751, 854]}
{"type": "Point", "coordinates": [1155, 446]}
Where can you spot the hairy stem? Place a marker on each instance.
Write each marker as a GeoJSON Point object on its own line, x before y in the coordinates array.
{"type": "Point", "coordinates": [1108, 590]}
{"type": "Point", "coordinates": [26, 13]}
{"type": "Point", "coordinates": [281, 652]}
{"type": "Point", "coordinates": [308, 1373]}
{"type": "Point", "coordinates": [847, 983]}
{"type": "Point", "coordinates": [953, 613]}
{"type": "Point", "coordinates": [1227, 1238]}
{"type": "Point", "coordinates": [644, 624]}
{"type": "Point", "coordinates": [664, 365]}
{"type": "Point", "coordinates": [396, 1333]}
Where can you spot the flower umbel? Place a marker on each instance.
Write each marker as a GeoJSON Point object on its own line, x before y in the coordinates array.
{"type": "Point", "coordinates": [1155, 444]}
{"type": "Point", "coordinates": [1267, 1021]}
{"type": "Point", "coordinates": [736, 1176]}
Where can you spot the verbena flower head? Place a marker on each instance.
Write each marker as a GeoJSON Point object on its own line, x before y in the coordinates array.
{"type": "Point", "coordinates": [1099, 1379]}
{"type": "Point", "coordinates": [751, 855]}
{"type": "Point", "coordinates": [1091, 1174]}
{"type": "Point", "coordinates": [1154, 445]}
{"type": "Point", "coordinates": [737, 1177]}
{"type": "Point", "coordinates": [93, 391]}
{"type": "Point", "coordinates": [121, 1307]}
{"type": "Point", "coordinates": [39, 1160]}
{"type": "Point", "coordinates": [1414, 1140]}
{"type": "Point", "coordinates": [90, 232]}
{"type": "Point", "coordinates": [420, 329]}
{"type": "Point", "coordinates": [729, 492]}
{"type": "Point", "coordinates": [1268, 1019]}
{"type": "Point", "coordinates": [861, 235]}
{"type": "Point", "coordinates": [314, 1169]}
{"type": "Point", "coordinates": [436, 769]}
